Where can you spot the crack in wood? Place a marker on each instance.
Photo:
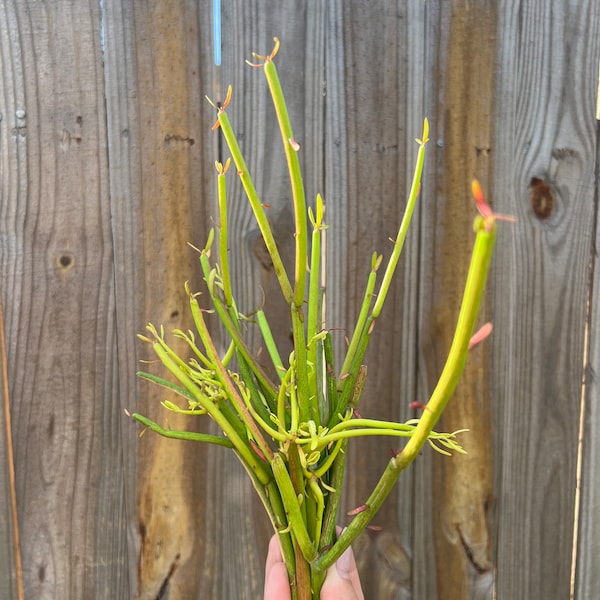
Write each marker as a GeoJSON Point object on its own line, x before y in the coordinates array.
{"type": "Point", "coordinates": [165, 584]}
{"type": "Point", "coordinates": [469, 552]}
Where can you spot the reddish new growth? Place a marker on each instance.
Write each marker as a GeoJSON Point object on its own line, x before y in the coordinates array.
{"type": "Point", "coordinates": [220, 107]}
{"type": "Point", "coordinates": [357, 510]}
{"type": "Point", "coordinates": [481, 334]}
{"type": "Point", "coordinates": [419, 405]}
{"type": "Point", "coordinates": [268, 58]}
{"type": "Point", "coordinates": [485, 210]}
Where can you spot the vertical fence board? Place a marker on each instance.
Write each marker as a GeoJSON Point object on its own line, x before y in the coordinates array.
{"type": "Point", "coordinates": [382, 96]}
{"type": "Point", "coordinates": [587, 580]}
{"type": "Point", "coordinates": [11, 580]}
{"type": "Point", "coordinates": [58, 287]}
{"type": "Point", "coordinates": [544, 174]}
{"type": "Point", "coordinates": [456, 550]}
{"type": "Point", "coordinates": [158, 67]}
{"type": "Point", "coordinates": [235, 516]}
{"type": "Point", "coordinates": [10, 79]}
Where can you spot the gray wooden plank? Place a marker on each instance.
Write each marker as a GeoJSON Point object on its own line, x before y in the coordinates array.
{"type": "Point", "coordinates": [588, 547]}
{"type": "Point", "coordinates": [545, 129]}
{"type": "Point", "coordinates": [11, 574]}
{"type": "Point", "coordinates": [8, 527]}
{"type": "Point", "coordinates": [587, 567]}
{"type": "Point", "coordinates": [235, 517]}
{"type": "Point", "coordinates": [382, 95]}
{"type": "Point", "coordinates": [58, 289]}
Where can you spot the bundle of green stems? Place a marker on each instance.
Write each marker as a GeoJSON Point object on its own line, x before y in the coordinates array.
{"type": "Point", "coordinates": [290, 430]}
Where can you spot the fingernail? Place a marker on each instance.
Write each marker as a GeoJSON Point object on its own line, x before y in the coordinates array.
{"type": "Point", "coordinates": [344, 564]}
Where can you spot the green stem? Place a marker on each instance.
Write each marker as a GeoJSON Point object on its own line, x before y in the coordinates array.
{"type": "Point", "coordinates": [480, 261]}
{"type": "Point", "coordinates": [223, 238]}
{"type": "Point", "coordinates": [233, 329]}
{"type": "Point", "coordinates": [308, 404]}
{"type": "Point", "coordinates": [223, 376]}
{"type": "Point", "coordinates": [259, 212]}
{"type": "Point", "coordinates": [336, 481]}
{"type": "Point", "coordinates": [239, 444]}
{"type": "Point", "coordinates": [314, 304]}
{"type": "Point", "coordinates": [364, 328]}
{"type": "Point", "coordinates": [291, 147]}
{"type": "Point", "coordinates": [317, 523]}
{"type": "Point", "coordinates": [182, 435]}
{"type": "Point", "coordinates": [292, 507]}
{"type": "Point", "coordinates": [166, 384]}
{"type": "Point", "coordinates": [362, 315]}
{"type": "Point", "coordinates": [402, 232]}
{"type": "Point", "coordinates": [267, 336]}
{"type": "Point", "coordinates": [330, 378]}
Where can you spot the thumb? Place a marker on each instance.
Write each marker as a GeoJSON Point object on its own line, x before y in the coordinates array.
{"type": "Point", "coordinates": [342, 581]}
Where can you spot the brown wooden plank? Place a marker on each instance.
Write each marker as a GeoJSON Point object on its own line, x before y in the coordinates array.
{"type": "Point", "coordinates": [58, 295]}
{"type": "Point", "coordinates": [158, 69]}
{"type": "Point", "coordinates": [454, 558]}
{"type": "Point", "coordinates": [545, 129]}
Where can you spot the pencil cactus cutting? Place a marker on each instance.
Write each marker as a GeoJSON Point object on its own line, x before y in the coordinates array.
{"type": "Point", "coordinates": [290, 430]}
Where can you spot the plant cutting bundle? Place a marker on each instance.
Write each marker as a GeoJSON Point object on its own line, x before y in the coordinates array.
{"type": "Point", "coordinates": [290, 430]}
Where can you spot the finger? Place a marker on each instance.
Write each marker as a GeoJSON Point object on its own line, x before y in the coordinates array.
{"type": "Point", "coordinates": [274, 554]}
{"type": "Point", "coordinates": [277, 586]}
{"type": "Point", "coordinates": [342, 580]}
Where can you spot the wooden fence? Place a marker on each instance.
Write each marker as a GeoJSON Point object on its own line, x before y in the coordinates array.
{"type": "Point", "coordinates": [106, 172]}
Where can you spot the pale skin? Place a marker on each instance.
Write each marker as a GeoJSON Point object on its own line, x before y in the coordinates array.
{"type": "Point", "coordinates": [342, 581]}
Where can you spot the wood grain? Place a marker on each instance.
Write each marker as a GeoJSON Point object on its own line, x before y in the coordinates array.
{"type": "Point", "coordinates": [545, 129]}
{"type": "Point", "coordinates": [11, 575]}
{"type": "Point", "coordinates": [460, 547]}
{"type": "Point", "coordinates": [587, 582]}
{"type": "Point", "coordinates": [58, 290]}
{"type": "Point", "coordinates": [380, 127]}
{"type": "Point", "coordinates": [161, 198]}
{"type": "Point", "coordinates": [106, 172]}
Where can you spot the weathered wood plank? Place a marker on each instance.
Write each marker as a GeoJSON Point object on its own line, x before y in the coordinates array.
{"type": "Point", "coordinates": [454, 559]}
{"type": "Point", "coordinates": [544, 155]}
{"type": "Point", "coordinates": [587, 578]}
{"type": "Point", "coordinates": [11, 574]}
{"type": "Point", "coordinates": [58, 293]}
{"type": "Point", "coordinates": [158, 69]}
{"type": "Point", "coordinates": [382, 95]}
{"type": "Point", "coordinates": [234, 516]}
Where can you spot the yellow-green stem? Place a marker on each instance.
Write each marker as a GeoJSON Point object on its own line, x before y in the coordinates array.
{"type": "Point", "coordinates": [476, 278]}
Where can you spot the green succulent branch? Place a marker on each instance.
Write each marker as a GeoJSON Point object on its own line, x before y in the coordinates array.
{"type": "Point", "coordinates": [291, 148]}
{"type": "Point", "coordinates": [443, 391]}
{"type": "Point", "coordinates": [291, 433]}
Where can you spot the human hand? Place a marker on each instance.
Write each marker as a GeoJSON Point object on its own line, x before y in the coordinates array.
{"type": "Point", "coordinates": [342, 581]}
